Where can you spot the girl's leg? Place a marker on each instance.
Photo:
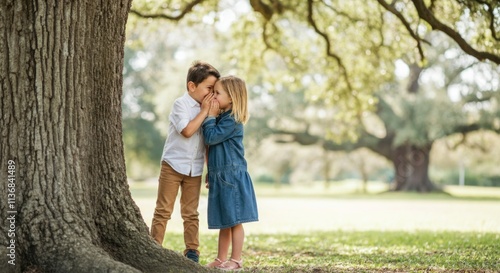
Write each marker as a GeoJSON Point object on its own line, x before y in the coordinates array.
{"type": "Point", "coordinates": [223, 247]}
{"type": "Point", "coordinates": [238, 237]}
{"type": "Point", "coordinates": [225, 237]}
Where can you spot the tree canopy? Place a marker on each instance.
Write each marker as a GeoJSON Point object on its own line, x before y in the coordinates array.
{"type": "Point", "coordinates": [342, 50]}
{"type": "Point", "coordinates": [342, 58]}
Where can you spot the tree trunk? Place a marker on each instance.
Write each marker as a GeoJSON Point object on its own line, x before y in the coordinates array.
{"type": "Point", "coordinates": [411, 165]}
{"type": "Point", "coordinates": [69, 208]}
{"type": "Point", "coordinates": [364, 176]}
{"type": "Point", "coordinates": [327, 168]}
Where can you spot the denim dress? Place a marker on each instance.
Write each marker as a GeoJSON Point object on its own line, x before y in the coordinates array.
{"type": "Point", "coordinates": [231, 196]}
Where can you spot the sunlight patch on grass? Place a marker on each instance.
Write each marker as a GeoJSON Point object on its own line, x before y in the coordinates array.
{"type": "Point", "coordinates": [471, 191]}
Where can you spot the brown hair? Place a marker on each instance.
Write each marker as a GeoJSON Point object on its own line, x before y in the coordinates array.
{"type": "Point", "coordinates": [199, 71]}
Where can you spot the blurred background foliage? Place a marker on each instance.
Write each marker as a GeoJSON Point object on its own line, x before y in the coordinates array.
{"type": "Point", "coordinates": [338, 89]}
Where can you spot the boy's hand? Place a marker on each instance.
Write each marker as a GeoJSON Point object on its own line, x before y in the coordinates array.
{"type": "Point", "coordinates": [214, 108]}
{"type": "Point", "coordinates": [194, 125]}
{"type": "Point", "coordinates": [206, 103]}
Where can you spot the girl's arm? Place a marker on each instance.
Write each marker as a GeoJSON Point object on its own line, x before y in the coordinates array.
{"type": "Point", "coordinates": [217, 133]}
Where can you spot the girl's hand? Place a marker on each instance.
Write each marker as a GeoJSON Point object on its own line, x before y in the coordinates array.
{"type": "Point", "coordinates": [206, 181]}
{"type": "Point", "coordinates": [214, 109]}
{"type": "Point", "coordinates": [207, 103]}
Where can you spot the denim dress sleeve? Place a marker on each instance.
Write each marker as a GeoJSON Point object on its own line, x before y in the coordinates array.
{"type": "Point", "coordinates": [217, 132]}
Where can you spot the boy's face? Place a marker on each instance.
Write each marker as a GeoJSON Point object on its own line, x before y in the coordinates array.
{"type": "Point", "coordinates": [204, 88]}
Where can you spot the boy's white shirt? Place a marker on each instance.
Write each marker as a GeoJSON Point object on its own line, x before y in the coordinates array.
{"type": "Point", "coordinates": [185, 155]}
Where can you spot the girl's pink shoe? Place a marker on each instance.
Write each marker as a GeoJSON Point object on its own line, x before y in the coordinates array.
{"type": "Point", "coordinates": [231, 265]}
{"type": "Point", "coordinates": [216, 263]}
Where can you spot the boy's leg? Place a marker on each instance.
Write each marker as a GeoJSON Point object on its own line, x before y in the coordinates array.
{"type": "Point", "coordinates": [168, 187]}
{"type": "Point", "coordinates": [190, 197]}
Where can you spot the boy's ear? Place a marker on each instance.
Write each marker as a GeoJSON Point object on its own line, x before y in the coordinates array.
{"type": "Point", "coordinates": [191, 86]}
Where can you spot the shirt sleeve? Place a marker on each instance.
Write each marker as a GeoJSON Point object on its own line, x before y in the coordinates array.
{"type": "Point", "coordinates": [215, 133]}
{"type": "Point", "coordinates": [179, 116]}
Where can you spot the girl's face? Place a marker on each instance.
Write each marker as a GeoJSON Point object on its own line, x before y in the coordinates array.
{"type": "Point", "coordinates": [222, 96]}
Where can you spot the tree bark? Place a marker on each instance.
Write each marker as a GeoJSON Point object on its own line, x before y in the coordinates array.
{"type": "Point", "coordinates": [411, 165]}
{"type": "Point", "coordinates": [62, 162]}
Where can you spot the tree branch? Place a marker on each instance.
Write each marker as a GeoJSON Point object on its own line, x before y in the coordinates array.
{"type": "Point", "coordinates": [455, 75]}
{"type": "Point", "coordinates": [188, 8]}
{"type": "Point", "coordinates": [341, 13]}
{"type": "Point", "coordinates": [491, 12]}
{"type": "Point", "coordinates": [381, 146]}
{"type": "Point", "coordinates": [262, 8]}
{"type": "Point", "coordinates": [425, 14]}
{"type": "Point", "coordinates": [325, 37]}
{"type": "Point", "coordinates": [403, 20]}
{"type": "Point", "coordinates": [465, 129]}
{"type": "Point", "coordinates": [266, 10]}
{"type": "Point", "coordinates": [265, 37]}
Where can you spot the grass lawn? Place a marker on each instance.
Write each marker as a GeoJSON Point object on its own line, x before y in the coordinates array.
{"type": "Point", "coordinates": [312, 229]}
{"type": "Point", "coordinates": [368, 251]}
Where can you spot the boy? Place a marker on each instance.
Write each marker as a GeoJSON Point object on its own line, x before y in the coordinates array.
{"type": "Point", "coordinates": [184, 156]}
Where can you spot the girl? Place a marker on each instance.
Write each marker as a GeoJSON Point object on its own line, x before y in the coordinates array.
{"type": "Point", "coordinates": [231, 197]}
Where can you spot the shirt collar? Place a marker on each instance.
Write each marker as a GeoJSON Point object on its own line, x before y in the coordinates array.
{"type": "Point", "coordinates": [192, 102]}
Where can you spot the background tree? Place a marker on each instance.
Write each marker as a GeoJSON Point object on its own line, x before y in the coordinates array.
{"type": "Point", "coordinates": [344, 52]}
{"type": "Point", "coordinates": [142, 139]}
{"type": "Point", "coordinates": [452, 94]}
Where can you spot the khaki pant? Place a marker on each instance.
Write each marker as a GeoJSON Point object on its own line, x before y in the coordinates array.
{"type": "Point", "coordinates": [168, 187]}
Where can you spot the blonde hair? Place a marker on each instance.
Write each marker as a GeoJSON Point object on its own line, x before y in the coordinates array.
{"type": "Point", "coordinates": [237, 90]}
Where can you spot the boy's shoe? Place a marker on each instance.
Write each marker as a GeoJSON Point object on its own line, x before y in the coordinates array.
{"type": "Point", "coordinates": [192, 255]}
